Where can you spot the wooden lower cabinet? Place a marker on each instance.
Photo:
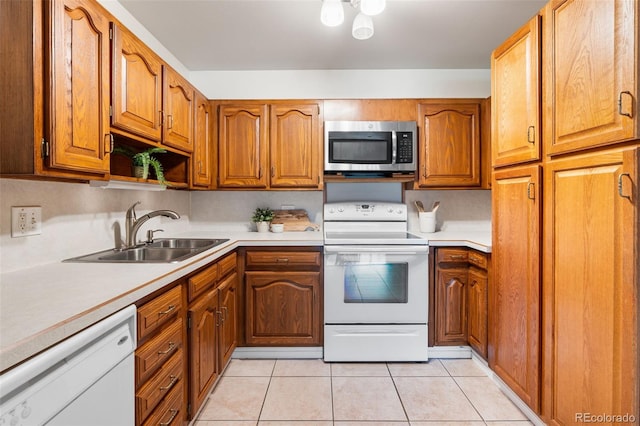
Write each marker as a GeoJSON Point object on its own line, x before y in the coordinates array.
{"type": "Point", "coordinates": [283, 297]}
{"type": "Point", "coordinates": [514, 300]}
{"type": "Point", "coordinates": [212, 323]}
{"type": "Point", "coordinates": [160, 360]}
{"type": "Point", "coordinates": [461, 297]}
{"type": "Point", "coordinates": [591, 270]}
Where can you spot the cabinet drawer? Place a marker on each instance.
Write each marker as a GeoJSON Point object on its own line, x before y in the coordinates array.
{"type": "Point", "coordinates": [201, 281]}
{"type": "Point", "coordinates": [227, 265]}
{"type": "Point", "coordinates": [159, 385]}
{"type": "Point", "coordinates": [159, 311]}
{"type": "Point", "coordinates": [170, 411]}
{"type": "Point", "coordinates": [452, 255]}
{"type": "Point", "coordinates": [151, 355]}
{"type": "Point", "coordinates": [478, 259]}
{"type": "Point", "coordinates": [283, 258]}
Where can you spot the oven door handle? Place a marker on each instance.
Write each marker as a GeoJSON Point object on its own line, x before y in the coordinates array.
{"type": "Point", "coordinates": [404, 250]}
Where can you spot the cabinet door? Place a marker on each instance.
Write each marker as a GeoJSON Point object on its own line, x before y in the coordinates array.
{"type": "Point", "coordinates": [449, 148]}
{"type": "Point", "coordinates": [204, 320]}
{"type": "Point", "coordinates": [201, 165]}
{"type": "Point", "coordinates": [243, 146]}
{"type": "Point", "coordinates": [283, 308]}
{"type": "Point", "coordinates": [137, 86]}
{"type": "Point", "coordinates": [228, 291]}
{"type": "Point", "coordinates": [515, 97]}
{"type": "Point", "coordinates": [77, 121]}
{"type": "Point", "coordinates": [178, 104]}
{"type": "Point", "coordinates": [477, 310]}
{"type": "Point", "coordinates": [451, 309]}
{"type": "Point", "coordinates": [295, 144]}
{"type": "Point", "coordinates": [514, 311]}
{"type": "Point", "coordinates": [591, 83]}
{"type": "Point", "coordinates": [591, 285]}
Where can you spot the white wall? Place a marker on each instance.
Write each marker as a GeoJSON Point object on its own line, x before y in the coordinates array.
{"type": "Point", "coordinates": [78, 219]}
{"type": "Point", "coordinates": [343, 84]}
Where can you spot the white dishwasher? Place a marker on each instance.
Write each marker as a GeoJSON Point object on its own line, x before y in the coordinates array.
{"type": "Point", "coordinates": [87, 379]}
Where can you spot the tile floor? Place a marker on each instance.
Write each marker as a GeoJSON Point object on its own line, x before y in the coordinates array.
{"type": "Point", "coordinates": [312, 393]}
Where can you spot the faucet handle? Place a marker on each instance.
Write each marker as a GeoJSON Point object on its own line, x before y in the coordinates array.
{"type": "Point", "coordinates": [131, 212]}
{"type": "Point", "coordinates": [150, 233]}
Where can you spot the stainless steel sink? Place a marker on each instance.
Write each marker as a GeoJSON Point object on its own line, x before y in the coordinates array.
{"type": "Point", "coordinates": [166, 250]}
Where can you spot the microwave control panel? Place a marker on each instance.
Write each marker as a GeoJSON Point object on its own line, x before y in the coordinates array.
{"type": "Point", "coordinates": [405, 147]}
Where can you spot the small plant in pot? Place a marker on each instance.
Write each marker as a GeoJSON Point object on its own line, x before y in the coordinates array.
{"type": "Point", "coordinates": [143, 160]}
{"type": "Point", "coordinates": [262, 217]}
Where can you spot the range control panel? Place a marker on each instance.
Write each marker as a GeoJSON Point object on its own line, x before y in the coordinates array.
{"type": "Point", "coordinates": [365, 211]}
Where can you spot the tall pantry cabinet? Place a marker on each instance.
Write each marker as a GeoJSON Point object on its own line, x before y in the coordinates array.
{"type": "Point", "coordinates": [588, 263]}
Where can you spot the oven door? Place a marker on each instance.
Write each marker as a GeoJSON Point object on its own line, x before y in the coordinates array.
{"type": "Point", "coordinates": [366, 284]}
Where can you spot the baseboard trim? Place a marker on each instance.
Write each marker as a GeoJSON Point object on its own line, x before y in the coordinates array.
{"type": "Point", "coordinates": [290, 352]}
{"type": "Point", "coordinates": [444, 352]}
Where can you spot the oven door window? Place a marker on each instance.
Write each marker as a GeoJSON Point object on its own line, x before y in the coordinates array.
{"type": "Point", "coordinates": [376, 283]}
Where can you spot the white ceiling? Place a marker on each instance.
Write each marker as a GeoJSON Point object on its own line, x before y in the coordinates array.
{"type": "Point", "coordinates": [210, 35]}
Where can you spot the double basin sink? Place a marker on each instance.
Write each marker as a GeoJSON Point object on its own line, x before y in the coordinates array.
{"type": "Point", "coordinates": [165, 250]}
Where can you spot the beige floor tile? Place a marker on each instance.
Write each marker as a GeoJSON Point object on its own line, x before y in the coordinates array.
{"type": "Point", "coordinates": [432, 368]}
{"type": "Point", "coordinates": [463, 367]}
{"type": "Point", "coordinates": [366, 398]}
{"type": "Point", "coordinates": [250, 367]}
{"type": "Point", "coordinates": [447, 423]}
{"type": "Point", "coordinates": [370, 424]}
{"type": "Point", "coordinates": [360, 369]}
{"type": "Point", "coordinates": [294, 423]}
{"type": "Point", "coordinates": [510, 423]}
{"type": "Point", "coordinates": [487, 398]}
{"type": "Point", "coordinates": [225, 423]}
{"type": "Point", "coordinates": [236, 398]}
{"type": "Point", "coordinates": [298, 398]}
{"type": "Point", "coordinates": [302, 367]}
{"type": "Point", "coordinates": [434, 398]}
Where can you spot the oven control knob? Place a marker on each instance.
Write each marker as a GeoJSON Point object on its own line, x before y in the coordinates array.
{"type": "Point", "coordinates": [390, 209]}
{"type": "Point", "coordinates": [399, 211]}
{"type": "Point", "coordinates": [340, 209]}
{"type": "Point", "coordinates": [331, 210]}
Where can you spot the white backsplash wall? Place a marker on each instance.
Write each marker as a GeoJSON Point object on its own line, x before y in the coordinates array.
{"type": "Point", "coordinates": [456, 206]}
{"type": "Point", "coordinates": [232, 210]}
{"type": "Point", "coordinates": [78, 219]}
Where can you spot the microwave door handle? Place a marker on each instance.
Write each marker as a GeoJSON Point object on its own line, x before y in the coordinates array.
{"type": "Point", "coordinates": [394, 146]}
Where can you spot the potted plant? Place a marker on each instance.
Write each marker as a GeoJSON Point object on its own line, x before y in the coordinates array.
{"type": "Point", "coordinates": [262, 217]}
{"type": "Point", "coordinates": [141, 162]}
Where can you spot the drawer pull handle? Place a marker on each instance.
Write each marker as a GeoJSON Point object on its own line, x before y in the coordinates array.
{"type": "Point", "coordinates": [456, 256]}
{"type": "Point", "coordinates": [174, 413]}
{"type": "Point", "coordinates": [173, 381]}
{"type": "Point", "coordinates": [170, 309]}
{"type": "Point", "coordinates": [171, 346]}
{"type": "Point", "coordinates": [282, 260]}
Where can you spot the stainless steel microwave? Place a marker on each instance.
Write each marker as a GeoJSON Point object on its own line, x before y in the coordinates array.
{"type": "Point", "coordinates": [370, 146]}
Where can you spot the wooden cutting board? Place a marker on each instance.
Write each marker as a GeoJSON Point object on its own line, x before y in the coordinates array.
{"type": "Point", "coordinates": [294, 220]}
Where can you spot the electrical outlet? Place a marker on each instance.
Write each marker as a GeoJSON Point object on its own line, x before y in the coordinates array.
{"type": "Point", "coordinates": [26, 221]}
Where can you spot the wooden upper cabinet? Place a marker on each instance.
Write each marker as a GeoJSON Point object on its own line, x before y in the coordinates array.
{"type": "Point", "coordinates": [243, 146]}
{"type": "Point", "coordinates": [591, 270]}
{"type": "Point", "coordinates": [77, 66]}
{"type": "Point", "coordinates": [178, 106]}
{"type": "Point", "coordinates": [201, 164]}
{"type": "Point", "coordinates": [591, 76]}
{"type": "Point", "coordinates": [515, 97]}
{"type": "Point", "coordinates": [449, 146]}
{"type": "Point", "coordinates": [295, 146]}
{"type": "Point", "coordinates": [514, 300]}
{"type": "Point", "coordinates": [137, 86]}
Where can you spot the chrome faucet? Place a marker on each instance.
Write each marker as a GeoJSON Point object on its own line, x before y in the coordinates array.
{"type": "Point", "coordinates": [133, 224]}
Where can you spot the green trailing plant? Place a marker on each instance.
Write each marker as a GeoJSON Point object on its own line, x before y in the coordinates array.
{"type": "Point", "coordinates": [145, 159]}
{"type": "Point", "coordinates": [262, 215]}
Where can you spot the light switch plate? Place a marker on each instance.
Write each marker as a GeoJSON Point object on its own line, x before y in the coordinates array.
{"type": "Point", "coordinates": [26, 221]}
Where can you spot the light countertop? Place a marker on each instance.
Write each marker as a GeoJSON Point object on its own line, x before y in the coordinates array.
{"type": "Point", "coordinates": [44, 305]}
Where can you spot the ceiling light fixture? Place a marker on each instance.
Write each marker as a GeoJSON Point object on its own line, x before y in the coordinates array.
{"type": "Point", "coordinates": [332, 15]}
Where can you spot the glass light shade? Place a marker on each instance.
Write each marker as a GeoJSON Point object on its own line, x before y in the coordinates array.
{"type": "Point", "coordinates": [362, 27]}
{"type": "Point", "coordinates": [372, 7]}
{"type": "Point", "coordinates": [332, 13]}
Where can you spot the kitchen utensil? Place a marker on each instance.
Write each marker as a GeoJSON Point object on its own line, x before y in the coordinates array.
{"type": "Point", "coordinates": [436, 204]}
{"type": "Point", "coordinates": [419, 206]}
